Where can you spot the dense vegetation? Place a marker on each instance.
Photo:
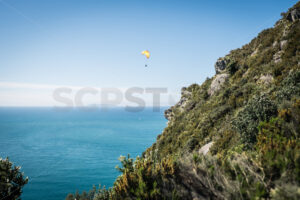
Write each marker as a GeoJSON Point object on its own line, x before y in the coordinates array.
{"type": "Point", "coordinates": [11, 180]}
{"type": "Point", "coordinates": [253, 120]}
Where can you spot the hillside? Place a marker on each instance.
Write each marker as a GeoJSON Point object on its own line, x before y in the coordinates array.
{"type": "Point", "coordinates": [236, 136]}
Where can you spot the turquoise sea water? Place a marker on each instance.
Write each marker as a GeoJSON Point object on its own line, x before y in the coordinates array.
{"type": "Point", "coordinates": [62, 151]}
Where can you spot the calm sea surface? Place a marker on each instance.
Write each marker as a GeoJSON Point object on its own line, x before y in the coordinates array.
{"type": "Point", "coordinates": [62, 151]}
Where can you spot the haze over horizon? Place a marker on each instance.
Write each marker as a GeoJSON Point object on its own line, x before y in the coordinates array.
{"type": "Point", "coordinates": [98, 44]}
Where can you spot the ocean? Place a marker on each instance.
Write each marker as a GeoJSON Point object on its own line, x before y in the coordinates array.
{"type": "Point", "coordinates": [64, 151]}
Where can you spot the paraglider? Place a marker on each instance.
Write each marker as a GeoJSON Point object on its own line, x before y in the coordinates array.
{"type": "Point", "coordinates": [147, 54]}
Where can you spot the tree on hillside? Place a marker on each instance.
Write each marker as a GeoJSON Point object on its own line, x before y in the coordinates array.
{"type": "Point", "coordinates": [12, 180]}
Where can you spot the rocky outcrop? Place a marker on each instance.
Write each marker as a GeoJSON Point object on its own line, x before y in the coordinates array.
{"type": "Point", "coordinates": [185, 94]}
{"type": "Point", "coordinates": [205, 149]}
{"type": "Point", "coordinates": [293, 15]}
{"type": "Point", "coordinates": [254, 53]}
{"type": "Point", "coordinates": [274, 44]}
{"type": "Point", "coordinates": [220, 65]}
{"type": "Point", "coordinates": [217, 83]}
{"type": "Point", "coordinates": [169, 114]}
{"type": "Point", "coordinates": [265, 79]}
{"type": "Point", "coordinates": [283, 44]}
{"type": "Point", "coordinates": [277, 56]}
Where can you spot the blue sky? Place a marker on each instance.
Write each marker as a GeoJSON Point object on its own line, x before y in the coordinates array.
{"type": "Point", "coordinates": [99, 43]}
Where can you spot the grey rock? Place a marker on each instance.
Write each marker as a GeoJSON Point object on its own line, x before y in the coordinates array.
{"type": "Point", "coordinates": [277, 56]}
{"type": "Point", "coordinates": [205, 149]}
{"type": "Point", "coordinates": [283, 44]}
{"type": "Point", "coordinates": [266, 79]}
{"type": "Point", "coordinates": [182, 102]}
{"type": "Point", "coordinates": [285, 32]}
{"type": "Point", "coordinates": [181, 105]}
{"type": "Point", "coordinates": [294, 15]}
{"type": "Point", "coordinates": [185, 92]}
{"type": "Point", "coordinates": [169, 114]}
{"type": "Point", "coordinates": [220, 65]}
{"type": "Point", "coordinates": [217, 83]}
{"type": "Point", "coordinates": [254, 53]}
{"type": "Point", "coordinates": [275, 44]}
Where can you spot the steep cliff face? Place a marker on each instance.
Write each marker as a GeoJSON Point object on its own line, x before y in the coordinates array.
{"type": "Point", "coordinates": [245, 119]}
{"type": "Point", "coordinates": [236, 136]}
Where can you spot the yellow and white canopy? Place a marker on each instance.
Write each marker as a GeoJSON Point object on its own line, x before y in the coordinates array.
{"type": "Point", "coordinates": [146, 53]}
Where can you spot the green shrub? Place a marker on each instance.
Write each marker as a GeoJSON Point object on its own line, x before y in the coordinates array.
{"type": "Point", "coordinates": [278, 151]}
{"type": "Point", "coordinates": [247, 120]}
{"type": "Point", "coordinates": [293, 45]}
{"type": "Point", "coordinates": [223, 143]}
{"type": "Point", "coordinates": [12, 180]}
{"type": "Point", "coordinates": [290, 86]}
{"type": "Point", "coordinates": [232, 67]}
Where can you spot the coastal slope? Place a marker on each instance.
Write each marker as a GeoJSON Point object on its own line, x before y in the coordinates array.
{"type": "Point", "coordinates": [236, 136]}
